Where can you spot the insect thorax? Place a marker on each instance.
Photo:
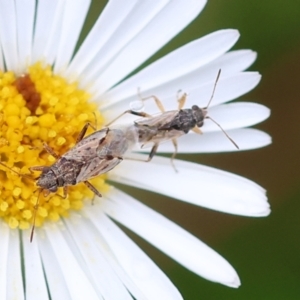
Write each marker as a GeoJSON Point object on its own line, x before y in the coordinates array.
{"type": "Point", "coordinates": [63, 173]}
{"type": "Point", "coordinates": [186, 119]}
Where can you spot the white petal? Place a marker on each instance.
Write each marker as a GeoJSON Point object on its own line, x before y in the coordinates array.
{"type": "Point", "coordinates": [106, 280]}
{"type": "Point", "coordinates": [146, 275]}
{"type": "Point", "coordinates": [111, 17]}
{"type": "Point", "coordinates": [140, 15]}
{"type": "Point", "coordinates": [195, 184]}
{"type": "Point", "coordinates": [35, 285]}
{"type": "Point", "coordinates": [14, 284]}
{"type": "Point", "coordinates": [55, 279]}
{"type": "Point", "coordinates": [25, 11]}
{"type": "Point", "coordinates": [1, 58]}
{"type": "Point", "coordinates": [105, 251]}
{"type": "Point", "coordinates": [228, 88]}
{"type": "Point", "coordinates": [235, 115]}
{"type": "Point", "coordinates": [4, 233]}
{"type": "Point", "coordinates": [230, 63]}
{"type": "Point", "coordinates": [170, 238]}
{"type": "Point", "coordinates": [8, 34]}
{"type": "Point", "coordinates": [178, 63]}
{"type": "Point", "coordinates": [44, 22]}
{"type": "Point", "coordinates": [245, 138]}
{"type": "Point", "coordinates": [178, 13]}
{"type": "Point", "coordinates": [50, 50]}
{"type": "Point", "coordinates": [73, 19]}
{"type": "Point", "coordinates": [78, 283]}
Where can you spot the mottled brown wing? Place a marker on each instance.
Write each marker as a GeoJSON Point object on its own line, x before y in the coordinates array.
{"type": "Point", "coordinates": [158, 120]}
{"type": "Point", "coordinates": [162, 136]}
{"type": "Point", "coordinates": [86, 149]}
{"type": "Point", "coordinates": [151, 130]}
{"type": "Point", "coordinates": [97, 166]}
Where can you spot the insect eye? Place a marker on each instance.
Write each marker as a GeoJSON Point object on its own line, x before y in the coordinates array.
{"type": "Point", "coordinates": [200, 124]}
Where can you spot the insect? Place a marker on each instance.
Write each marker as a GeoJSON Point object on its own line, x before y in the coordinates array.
{"type": "Point", "coordinates": [170, 125]}
{"type": "Point", "coordinates": [91, 156]}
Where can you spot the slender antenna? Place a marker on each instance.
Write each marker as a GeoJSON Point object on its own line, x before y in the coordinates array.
{"type": "Point", "coordinates": [16, 172]}
{"type": "Point", "coordinates": [232, 141]}
{"type": "Point", "coordinates": [4, 165]}
{"type": "Point", "coordinates": [214, 89]}
{"type": "Point", "coordinates": [207, 117]}
{"type": "Point", "coordinates": [34, 215]}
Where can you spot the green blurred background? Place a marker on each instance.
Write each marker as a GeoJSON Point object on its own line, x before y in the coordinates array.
{"type": "Point", "coordinates": [264, 251]}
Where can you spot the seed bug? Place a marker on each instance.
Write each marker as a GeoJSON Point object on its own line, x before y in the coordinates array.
{"type": "Point", "coordinates": [91, 156]}
{"type": "Point", "coordinates": [170, 125]}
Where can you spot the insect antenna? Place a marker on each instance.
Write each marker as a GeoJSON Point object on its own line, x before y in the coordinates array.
{"type": "Point", "coordinates": [36, 206]}
{"type": "Point", "coordinates": [214, 89]}
{"type": "Point", "coordinates": [207, 117]}
{"type": "Point", "coordinates": [231, 140]}
{"type": "Point", "coordinates": [16, 172]}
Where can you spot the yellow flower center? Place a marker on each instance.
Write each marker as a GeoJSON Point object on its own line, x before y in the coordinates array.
{"type": "Point", "coordinates": [39, 107]}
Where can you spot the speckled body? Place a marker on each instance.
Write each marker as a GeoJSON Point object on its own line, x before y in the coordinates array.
{"type": "Point", "coordinates": [101, 151]}
{"type": "Point", "coordinates": [94, 155]}
{"type": "Point", "coordinates": [169, 125]}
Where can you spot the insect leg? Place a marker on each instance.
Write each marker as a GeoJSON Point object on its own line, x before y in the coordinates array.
{"type": "Point", "coordinates": [174, 141]}
{"type": "Point", "coordinates": [37, 168]}
{"type": "Point", "coordinates": [65, 191]}
{"type": "Point", "coordinates": [157, 101]}
{"type": "Point", "coordinates": [153, 151]}
{"type": "Point", "coordinates": [197, 130]}
{"type": "Point", "coordinates": [151, 154]}
{"type": "Point", "coordinates": [83, 131]}
{"type": "Point", "coordinates": [92, 188]}
{"type": "Point", "coordinates": [50, 151]}
{"type": "Point", "coordinates": [140, 114]}
{"type": "Point", "coordinates": [181, 100]}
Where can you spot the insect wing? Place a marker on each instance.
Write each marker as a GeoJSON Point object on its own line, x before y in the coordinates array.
{"type": "Point", "coordinates": [159, 120]}
{"type": "Point", "coordinates": [86, 149]}
{"type": "Point", "coordinates": [97, 166]}
{"type": "Point", "coordinates": [156, 130]}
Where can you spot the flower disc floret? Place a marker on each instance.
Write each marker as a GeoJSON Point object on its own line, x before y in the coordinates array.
{"type": "Point", "coordinates": [39, 107]}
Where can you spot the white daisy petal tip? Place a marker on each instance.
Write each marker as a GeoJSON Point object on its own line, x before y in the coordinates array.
{"type": "Point", "coordinates": [253, 54]}
{"type": "Point", "coordinates": [234, 283]}
{"type": "Point", "coordinates": [234, 32]}
{"type": "Point", "coordinates": [221, 191]}
{"type": "Point", "coordinates": [264, 213]}
{"type": "Point", "coordinates": [230, 277]}
{"type": "Point", "coordinates": [170, 238]}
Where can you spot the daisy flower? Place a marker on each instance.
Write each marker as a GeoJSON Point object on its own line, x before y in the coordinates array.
{"type": "Point", "coordinates": [48, 92]}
